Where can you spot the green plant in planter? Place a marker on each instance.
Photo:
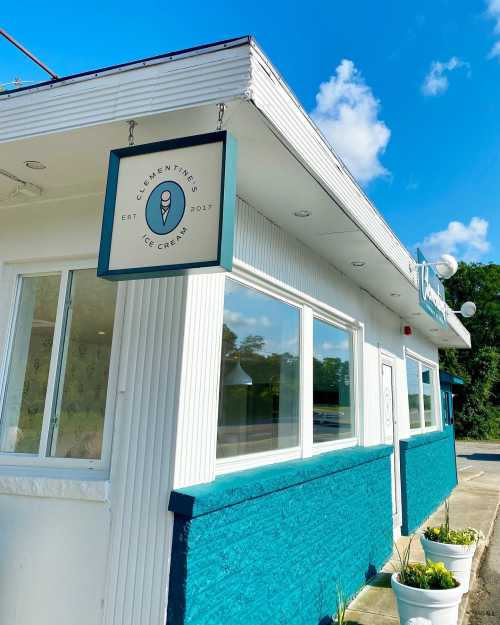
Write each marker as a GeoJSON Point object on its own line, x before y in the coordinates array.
{"type": "Point", "coordinates": [443, 533]}
{"type": "Point", "coordinates": [404, 560]}
{"type": "Point", "coordinates": [431, 575]}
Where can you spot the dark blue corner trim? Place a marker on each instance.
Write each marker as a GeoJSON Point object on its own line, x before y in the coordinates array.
{"type": "Point", "coordinates": [229, 490]}
{"type": "Point", "coordinates": [423, 439]}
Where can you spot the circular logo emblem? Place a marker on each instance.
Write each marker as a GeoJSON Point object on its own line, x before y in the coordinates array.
{"type": "Point", "coordinates": [165, 207]}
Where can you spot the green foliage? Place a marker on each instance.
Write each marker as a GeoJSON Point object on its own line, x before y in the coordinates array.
{"type": "Point", "coordinates": [342, 603]}
{"type": "Point", "coordinates": [451, 537]}
{"type": "Point", "coordinates": [477, 411]}
{"type": "Point", "coordinates": [404, 559]}
{"type": "Point", "coordinates": [444, 534]}
{"type": "Point", "coordinates": [431, 576]}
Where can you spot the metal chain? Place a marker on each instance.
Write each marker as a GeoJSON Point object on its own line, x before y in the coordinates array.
{"type": "Point", "coordinates": [131, 125]}
{"type": "Point", "coordinates": [222, 109]}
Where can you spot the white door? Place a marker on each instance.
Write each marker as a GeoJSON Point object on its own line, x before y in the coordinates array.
{"type": "Point", "coordinates": [390, 430]}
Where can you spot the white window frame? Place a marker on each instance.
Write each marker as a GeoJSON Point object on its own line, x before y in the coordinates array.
{"type": "Point", "coordinates": [309, 308]}
{"type": "Point", "coordinates": [40, 463]}
{"type": "Point", "coordinates": [436, 404]}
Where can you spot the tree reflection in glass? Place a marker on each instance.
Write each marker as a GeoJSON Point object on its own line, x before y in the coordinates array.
{"type": "Point", "coordinates": [259, 397]}
{"type": "Point", "coordinates": [333, 416]}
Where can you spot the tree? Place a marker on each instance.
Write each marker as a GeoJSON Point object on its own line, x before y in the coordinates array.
{"type": "Point", "coordinates": [478, 412]}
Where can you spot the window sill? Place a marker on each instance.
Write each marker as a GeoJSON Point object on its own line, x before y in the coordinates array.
{"type": "Point", "coordinates": [419, 431]}
{"type": "Point", "coordinates": [54, 488]}
{"type": "Point", "coordinates": [322, 448]}
{"type": "Point", "coordinates": [252, 461]}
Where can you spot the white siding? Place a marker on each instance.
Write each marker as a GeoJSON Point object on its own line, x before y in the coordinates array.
{"type": "Point", "coordinates": [263, 245]}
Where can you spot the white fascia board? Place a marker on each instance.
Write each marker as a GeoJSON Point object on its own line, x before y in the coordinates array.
{"type": "Point", "coordinates": [206, 76]}
{"type": "Point", "coordinates": [283, 111]}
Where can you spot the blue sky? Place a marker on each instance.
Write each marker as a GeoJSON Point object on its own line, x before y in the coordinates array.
{"type": "Point", "coordinates": [410, 96]}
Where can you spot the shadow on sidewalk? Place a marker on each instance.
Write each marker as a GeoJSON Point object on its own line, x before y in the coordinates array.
{"type": "Point", "coordinates": [482, 457]}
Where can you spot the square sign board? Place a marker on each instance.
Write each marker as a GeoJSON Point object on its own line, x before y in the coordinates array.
{"type": "Point", "coordinates": [169, 208]}
{"type": "Point", "coordinates": [431, 291]}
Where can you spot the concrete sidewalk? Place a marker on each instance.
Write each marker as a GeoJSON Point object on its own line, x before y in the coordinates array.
{"type": "Point", "coordinates": [474, 503]}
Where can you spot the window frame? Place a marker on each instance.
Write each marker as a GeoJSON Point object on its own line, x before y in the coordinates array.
{"type": "Point", "coordinates": [43, 464]}
{"type": "Point", "coordinates": [309, 308]}
{"type": "Point", "coordinates": [436, 405]}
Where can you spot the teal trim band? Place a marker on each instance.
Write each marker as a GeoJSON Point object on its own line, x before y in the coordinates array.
{"type": "Point", "coordinates": [235, 488]}
{"type": "Point", "coordinates": [423, 439]}
{"type": "Point", "coordinates": [229, 177]}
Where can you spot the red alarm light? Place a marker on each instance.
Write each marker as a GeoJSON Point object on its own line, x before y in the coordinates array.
{"type": "Point", "coordinates": [407, 331]}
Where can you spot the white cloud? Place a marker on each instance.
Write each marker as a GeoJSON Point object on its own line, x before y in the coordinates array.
{"type": "Point", "coordinates": [328, 346]}
{"type": "Point", "coordinates": [493, 11]}
{"type": "Point", "coordinates": [236, 318]}
{"type": "Point", "coordinates": [495, 51]}
{"type": "Point", "coordinates": [347, 114]}
{"type": "Point", "coordinates": [467, 242]}
{"type": "Point", "coordinates": [436, 81]}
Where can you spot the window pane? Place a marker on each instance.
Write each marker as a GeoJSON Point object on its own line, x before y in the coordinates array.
{"type": "Point", "coordinates": [259, 396]}
{"type": "Point", "coordinates": [24, 402]}
{"type": "Point", "coordinates": [78, 428]}
{"type": "Point", "coordinates": [333, 414]}
{"type": "Point", "coordinates": [413, 392]}
{"type": "Point", "coordinates": [427, 388]}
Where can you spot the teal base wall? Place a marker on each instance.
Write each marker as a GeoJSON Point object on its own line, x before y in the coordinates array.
{"type": "Point", "coordinates": [428, 475]}
{"type": "Point", "coordinates": [267, 546]}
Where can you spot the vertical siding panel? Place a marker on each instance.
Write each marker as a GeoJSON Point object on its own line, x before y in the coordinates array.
{"type": "Point", "coordinates": [141, 475]}
{"type": "Point", "coordinates": [199, 383]}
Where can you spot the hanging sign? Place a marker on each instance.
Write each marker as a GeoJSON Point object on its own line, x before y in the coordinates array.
{"type": "Point", "coordinates": [169, 208]}
{"type": "Point", "coordinates": [431, 291]}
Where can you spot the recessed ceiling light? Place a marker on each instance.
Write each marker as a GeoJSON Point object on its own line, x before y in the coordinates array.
{"type": "Point", "coordinates": [358, 263]}
{"type": "Point", "coordinates": [101, 332]}
{"type": "Point", "coordinates": [302, 213]}
{"type": "Point", "coordinates": [395, 294]}
{"type": "Point", "coordinates": [35, 165]}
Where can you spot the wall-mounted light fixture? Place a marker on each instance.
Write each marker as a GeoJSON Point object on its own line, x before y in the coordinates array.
{"type": "Point", "coordinates": [467, 309]}
{"type": "Point", "coordinates": [446, 266]}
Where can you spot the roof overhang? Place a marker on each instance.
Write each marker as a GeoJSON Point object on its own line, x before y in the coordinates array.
{"type": "Point", "coordinates": [284, 162]}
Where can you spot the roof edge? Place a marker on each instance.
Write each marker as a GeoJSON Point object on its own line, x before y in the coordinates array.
{"type": "Point", "coordinates": [159, 58]}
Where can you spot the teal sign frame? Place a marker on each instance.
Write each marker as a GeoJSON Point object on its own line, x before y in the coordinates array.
{"type": "Point", "coordinates": [223, 261]}
{"type": "Point", "coordinates": [431, 291]}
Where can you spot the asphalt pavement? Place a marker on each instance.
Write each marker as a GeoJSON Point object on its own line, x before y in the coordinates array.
{"type": "Point", "coordinates": [483, 459]}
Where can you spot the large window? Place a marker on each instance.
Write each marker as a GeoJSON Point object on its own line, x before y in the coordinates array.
{"type": "Point", "coordinates": [287, 376]}
{"type": "Point", "coordinates": [333, 417]}
{"type": "Point", "coordinates": [421, 395]}
{"type": "Point", "coordinates": [259, 397]}
{"type": "Point", "coordinates": [54, 391]}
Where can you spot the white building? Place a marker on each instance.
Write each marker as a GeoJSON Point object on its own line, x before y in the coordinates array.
{"type": "Point", "coordinates": [112, 394]}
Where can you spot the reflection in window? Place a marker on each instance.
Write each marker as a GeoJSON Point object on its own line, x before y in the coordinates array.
{"type": "Point", "coordinates": [83, 378]}
{"type": "Point", "coordinates": [413, 393]}
{"type": "Point", "coordinates": [259, 397]}
{"type": "Point", "coordinates": [333, 413]}
{"type": "Point", "coordinates": [23, 407]}
{"type": "Point", "coordinates": [427, 390]}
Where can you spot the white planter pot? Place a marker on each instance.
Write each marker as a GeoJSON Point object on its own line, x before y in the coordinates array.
{"type": "Point", "coordinates": [439, 607]}
{"type": "Point", "coordinates": [456, 558]}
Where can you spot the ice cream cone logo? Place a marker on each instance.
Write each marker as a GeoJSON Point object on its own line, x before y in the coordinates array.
{"type": "Point", "coordinates": [165, 205]}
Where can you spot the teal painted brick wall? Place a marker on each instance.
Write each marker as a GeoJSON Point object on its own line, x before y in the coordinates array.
{"type": "Point", "coordinates": [428, 475]}
{"type": "Point", "coordinates": [266, 546]}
